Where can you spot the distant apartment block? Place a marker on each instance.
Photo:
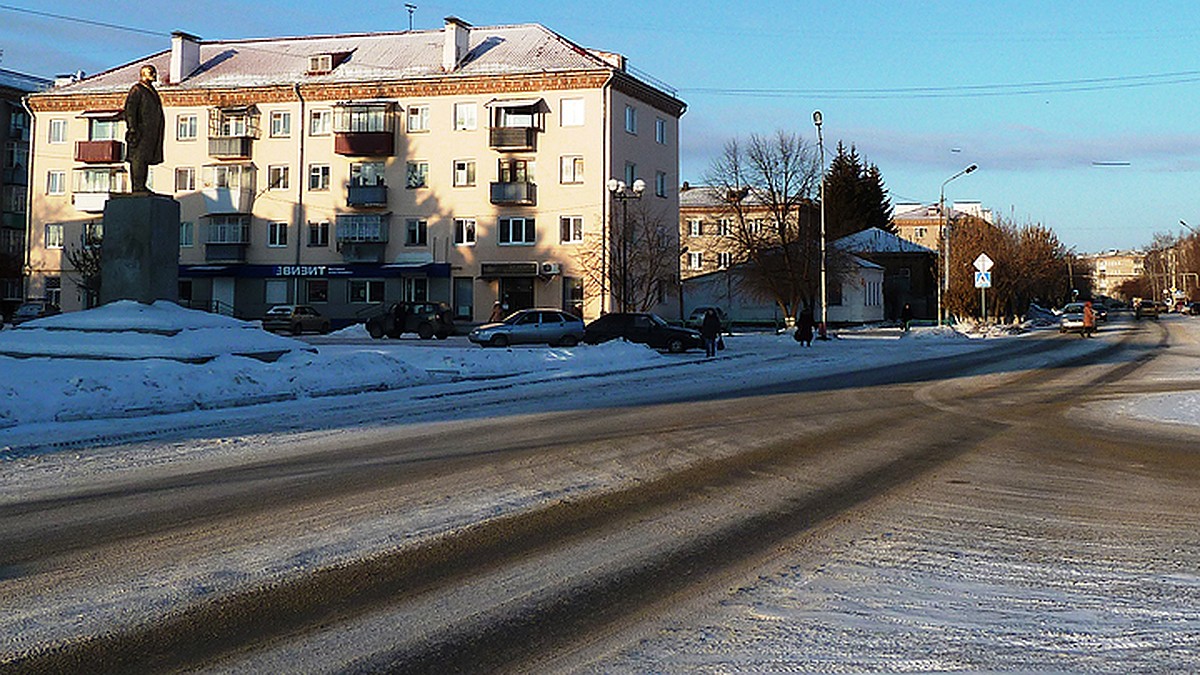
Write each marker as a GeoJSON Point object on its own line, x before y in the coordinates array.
{"type": "Point", "coordinates": [1112, 268]}
{"type": "Point", "coordinates": [14, 188]}
{"type": "Point", "coordinates": [466, 165]}
{"type": "Point", "coordinates": [922, 224]}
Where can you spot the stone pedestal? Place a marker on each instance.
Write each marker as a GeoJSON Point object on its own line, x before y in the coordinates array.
{"type": "Point", "coordinates": [139, 256]}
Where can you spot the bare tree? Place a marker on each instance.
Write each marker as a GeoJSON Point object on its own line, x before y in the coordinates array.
{"type": "Point", "coordinates": [85, 263]}
{"type": "Point", "coordinates": [641, 262]}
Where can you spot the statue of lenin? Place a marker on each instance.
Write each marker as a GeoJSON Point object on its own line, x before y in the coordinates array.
{"type": "Point", "coordinates": [144, 128]}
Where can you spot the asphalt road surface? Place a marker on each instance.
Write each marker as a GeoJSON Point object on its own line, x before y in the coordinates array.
{"type": "Point", "coordinates": [630, 530]}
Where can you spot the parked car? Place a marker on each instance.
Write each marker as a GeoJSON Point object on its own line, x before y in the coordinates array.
{"type": "Point", "coordinates": [1146, 309]}
{"type": "Point", "coordinates": [696, 318]}
{"type": "Point", "coordinates": [295, 318]}
{"type": "Point", "coordinates": [643, 328]}
{"type": "Point", "coordinates": [531, 326]}
{"type": "Point", "coordinates": [426, 319]}
{"type": "Point", "coordinates": [34, 309]}
{"type": "Point", "coordinates": [1071, 320]}
{"type": "Point", "coordinates": [1194, 308]}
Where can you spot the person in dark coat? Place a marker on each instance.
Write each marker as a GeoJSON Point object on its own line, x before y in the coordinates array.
{"type": "Point", "coordinates": [906, 316]}
{"type": "Point", "coordinates": [804, 327]}
{"type": "Point", "coordinates": [144, 128]}
{"type": "Point", "coordinates": [710, 330]}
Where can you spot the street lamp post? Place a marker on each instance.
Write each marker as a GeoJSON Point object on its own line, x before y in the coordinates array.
{"type": "Point", "coordinates": [623, 193]}
{"type": "Point", "coordinates": [944, 226]}
{"type": "Point", "coordinates": [821, 331]}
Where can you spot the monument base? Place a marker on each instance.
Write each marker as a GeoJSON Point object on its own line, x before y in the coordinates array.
{"type": "Point", "coordinates": [139, 255]}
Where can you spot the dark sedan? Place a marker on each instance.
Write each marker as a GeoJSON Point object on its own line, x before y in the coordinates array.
{"type": "Point", "coordinates": [647, 329]}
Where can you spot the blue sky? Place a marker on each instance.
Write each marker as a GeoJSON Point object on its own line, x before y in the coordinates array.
{"type": "Point", "coordinates": [1035, 93]}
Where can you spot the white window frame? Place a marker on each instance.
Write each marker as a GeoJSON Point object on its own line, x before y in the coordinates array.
{"type": "Point", "coordinates": [695, 260]}
{"type": "Point", "coordinates": [570, 171]}
{"type": "Point", "coordinates": [188, 174]}
{"type": "Point", "coordinates": [318, 177]}
{"type": "Point", "coordinates": [417, 118]}
{"type": "Point", "coordinates": [465, 231]}
{"type": "Point", "coordinates": [281, 123]}
{"type": "Point", "coordinates": [570, 229]}
{"type": "Point", "coordinates": [277, 234]}
{"type": "Point", "coordinates": [466, 116]}
{"type": "Point", "coordinates": [724, 260]}
{"type": "Point", "coordinates": [56, 182]}
{"type": "Point", "coordinates": [516, 231]}
{"type": "Point", "coordinates": [695, 227]}
{"type": "Point", "coordinates": [464, 172]}
{"type": "Point", "coordinates": [416, 175]}
{"type": "Point", "coordinates": [372, 291]}
{"type": "Point", "coordinates": [660, 131]}
{"type": "Point", "coordinates": [54, 235]}
{"type": "Point", "coordinates": [320, 122]}
{"type": "Point", "coordinates": [57, 132]}
{"type": "Point", "coordinates": [572, 112]}
{"type": "Point", "coordinates": [187, 127]}
{"type": "Point", "coordinates": [282, 172]}
{"type": "Point", "coordinates": [631, 120]}
{"type": "Point", "coordinates": [724, 227]}
{"type": "Point", "coordinates": [187, 234]}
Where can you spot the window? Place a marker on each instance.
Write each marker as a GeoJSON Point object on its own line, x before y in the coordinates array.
{"type": "Point", "coordinates": [362, 227]}
{"type": "Point", "coordinates": [281, 124]}
{"type": "Point", "coordinates": [466, 116]}
{"type": "Point", "coordinates": [275, 292]}
{"type": "Point", "coordinates": [364, 290]}
{"type": "Point", "coordinates": [920, 232]}
{"type": "Point", "coordinates": [724, 260]}
{"type": "Point", "coordinates": [56, 182]}
{"type": "Point", "coordinates": [185, 179]}
{"type": "Point", "coordinates": [187, 234]}
{"type": "Point", "coordinates": [572, 229]}
{"type": "Point", "coordinates": [572, 169]}
{"type": "Point", "coordinates": [232, 176]}
{"type": "Point", "coordinates": [16, 155]}
{"type": "Point", "coordinates": [93, 234]}
{"type": "Point", "coordinates": [695, 227]}
{"type": "Point", "coordinates": [233, 125]}
{"type": "Point", "coordinates": [58, 131]}
{"type": "Point", "coordinates": [724, 227]}
{"type": "Point", "coordinates": [366, 173]}
{"type": "Point", "coordinates": [54, 290]}
{"type": "Point", "coordinates": [464, 298]}
{"type": "Point", "coordinates": [418, 175]}
{"type": "Point", "coordinates": [631, 119]}
{"type": "Point", "coordinates": [15, 197]}
{"type": "Point", "coordinates": [316, 290]}
{"type": "Point", "coordinates": [835, 294]}
{"type": "Point", "coordinates": [631, 173]}
{"type": "Point", "coordinates": [572, 112]}
{"type": "Point", "coordinates": [357, 119]}
{"type": "Point", "coordinates": [186, 128]}
{"type": "Point", "coordinates": [277, 177]}
{"type": "Point", "coordinates": [277, 235]}
{"type": "Point", "coordinates": [230, 229]}
{"type": "Point", "coordinates": [54, 235]}
{"type": "Point", "coordinates": [517, 231]}
{"type": "Point", "coordinates": [416, 232]}
{"type": "Point", "coordinates": [464, 231]}
{"type": "Point", "coordinates": [318, 177]}
{"type": "Point", "coordinates": [414, 289]}
{"type": "Point", "coordinates": [102, 129]}
{"type": "Point", "coordinates": [464, 172]}
{"type": "Point", "coordinates": [660, 184]}
{"type": "Point", "coordinates": [515, 171]}
{"type": "Point", "coordinates": [660, 131]}
{"type": "Point", "coordinates": [95, 180]}
{"type": "Point", "coordinates": [754, 227]}
{"type": "Point", "coordinates": [319, 122]}
{"type": "Point", "coordinates": [318, 234]}
{"type": "Point", "coordinates": [418, 118]}
{"type": "Point", "coordinates": [695, 260]}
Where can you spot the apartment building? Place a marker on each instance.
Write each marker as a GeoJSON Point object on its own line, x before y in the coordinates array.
{"type": "Point", "coordinates": [466, 165]}
{"type": "Point", "coordinates": [921, 223]}
{"type": "Point", "coordinates": [1110, 269]}
{"type": "Point", "coordinates": [14, 198]}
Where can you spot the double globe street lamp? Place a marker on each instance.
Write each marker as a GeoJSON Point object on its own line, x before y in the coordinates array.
{"type": "Point", "coordinates": [622, 193]}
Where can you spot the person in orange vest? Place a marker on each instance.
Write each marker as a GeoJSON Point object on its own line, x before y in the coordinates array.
{"type": "Point", "coordinates": [1089, 320]}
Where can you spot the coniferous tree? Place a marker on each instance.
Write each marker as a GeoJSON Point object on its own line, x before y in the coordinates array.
{"type": "Point", "coordinates": [855, 197]}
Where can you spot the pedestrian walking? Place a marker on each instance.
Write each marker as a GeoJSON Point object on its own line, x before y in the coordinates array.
{"type": "Point", "coordinates": [906, 316]}
{"type": "Point", "coordinates": [497, 313]}
{"type": "Point", "coordinates": [1089, 320]}
{"type": "Point", "coordinates": [804, 327]}
{"type": "Point", "coordinates": [710, 330]}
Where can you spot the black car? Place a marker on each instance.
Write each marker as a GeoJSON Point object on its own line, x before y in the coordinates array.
{"type": "Point", "coordinates": [642, 328]}
{"type": "Point", "coordinates": [426, 319]}
{"type": "Point", "coordinates": [34, 309]}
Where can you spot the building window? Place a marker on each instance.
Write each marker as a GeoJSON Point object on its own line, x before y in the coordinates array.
{"type": "Point", "coordinates": [275, 291]}
{"type": "Point", "coordinates": [231, 229]}
{"type": "Point", "coordinates": [466, 117]}
{"type": "Point", "coordinates": [572, 169]}
{"type": "Point", "coordinates": [416, 232]}
{"type": "Point", "coordinates": [631, 173]}
{"type": "Point", "coordinates": [695, 227]}
{"type": "Point", "coordinates": [185, 179]}
{"type": "Point", "coordinates": [365, 290]}
{"type": "Point", "coordinates": [660, 131]}
{"type": "Point", "coordinates": [319, 122]}
{"type": "Point", "coordinates": [572, 112]}
{"type": "Point", "coordinates": [318, 234]}
{"type": "Point", "coordinates": [754, 227]}
{"type": "Point", "coordinates": [515, 171]}
{"type": "Point", "coordinates": [417, 175]}
{"type": "Point", "coordinates": [277, 235]}
{"type": "Point", "coordinates": [695, 260]}
{"type": "Point", "coordinates": [464, 172]}
{"type": "Point", "coordinates": [414, 289]}
{"type": "Point", "coordinates": [281, 124]}
{"type": "Point", "coordinates": [724, 227]}
{"type": "Point", "coordinates": [418, 118]}
{"type": "Point", "coordinates": [187, 128]}
{"type": "Point", "coordinates": [363, 227]}
{"type": "Point", "coordinates": [58, 131]}
{"type": "Point", "coordinates": [464, 231]}
{"type": "Point", "coordinates": [56, 182]}
{"type": "Point", "coordinates": [277, 177]}
{"type": "Point", "coordinates": [572, 229]}
{"type": "Point", "coordinates": [724, 260]}
{"type": "Point", "coordinates": [919, 232]}
{"type": "Point", "coordinates": [102, 129]}
{"type": "Point", "coordinates": [318, 177]}
{"type": "Point", "coordinates": [660, 184]}
{"type": "Point", "coordinates": [316, 290]}
{"type": "Point", "coordinates": [517, 232]}
{"type": "Point", "coordinates": [54, 290]}
{"type": "Point", "coordinates": [631, 124]}
{"type": "Point", "coordinates": [187, 234]}
{"type": "Point", "coordinates": [464, 298]}
{"type": "Point", "coordinates": [365, 174]}
{"type": "Point", "coordinates": [54, 235]}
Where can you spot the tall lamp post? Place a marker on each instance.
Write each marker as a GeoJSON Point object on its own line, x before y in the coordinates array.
{"type": "Point", "coordinates": [821, 332]}
{"type": "Point", "coordinates": [623, 193]}
{"type": "Point", "coordinates": [945, 230]}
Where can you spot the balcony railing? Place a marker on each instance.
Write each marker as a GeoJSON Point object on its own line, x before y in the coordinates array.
{"type": "Point", "coordinates": [225, 252]}
{"type": "Point", "coordinates": [106, 152]}
{"type": "Point", "coordinates": [227, 200]}
{"type": "Point", "coordinates": [514, 194]}
{"type": "Point", "coordinates": [230, 147]}
{"type": "Point", "coordinates": [90, 202]}
{"type": "Point", "coordinates": [513, 138]}
{"type": "Point", "coordinates": [366, 195]}
{"type": "Point", "coordinates": [364, 143]}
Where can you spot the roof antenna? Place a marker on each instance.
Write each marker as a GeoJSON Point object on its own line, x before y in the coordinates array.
{"type": "Point", "coordinates": [411, 8]}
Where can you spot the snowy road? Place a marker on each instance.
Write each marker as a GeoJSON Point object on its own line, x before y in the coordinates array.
{"type": "Point", "coordinates": [942, 513]}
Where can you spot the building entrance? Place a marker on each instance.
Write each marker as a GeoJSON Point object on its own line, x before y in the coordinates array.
{"type": "Point", "coordinates": [517, 293]}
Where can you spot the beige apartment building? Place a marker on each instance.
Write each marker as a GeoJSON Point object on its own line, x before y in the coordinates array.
{"type": "Point", "coordinates": [1112, 268]}
{"type": "Point", "coordinates": [922, 224]}
{"type": "Point", "coordinates": [466, 165]}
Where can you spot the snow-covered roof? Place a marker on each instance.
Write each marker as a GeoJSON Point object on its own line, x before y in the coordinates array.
{"type": "Point", "coordinates": [10, 79]}
{"type": "Point", "coordinates": [875, 240]}
{"type": "Point", "coordinates": [709, 197]}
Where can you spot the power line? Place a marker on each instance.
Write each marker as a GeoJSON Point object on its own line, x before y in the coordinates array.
{"type": "Point", "coordinates": [89, 22]}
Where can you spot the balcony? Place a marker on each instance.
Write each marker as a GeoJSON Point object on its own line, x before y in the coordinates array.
{"type": "Point", "coordinates": [103, 152]}
{"type": "Point", "coordinates": [230, 147]}
{"type": "Point", "coordinates": [366, 195]}
{"type": "Point", "coordinates": [363, 251]}
{"type": "Point", "coordinates": [364, 143]}
{"type": "Point", "coordinates": [225, 252]}
{"type": "Point", "coordinates": [90, 202]}
{"type": "Point", "coordinates": [513, 138]}
{"type": "Point", "coordinates": [227, 200]}
{"type": "Point", "coordinates": [514, 194]}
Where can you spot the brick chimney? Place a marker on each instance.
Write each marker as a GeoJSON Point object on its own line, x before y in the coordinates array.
{"type": "Point", "coordinates": [457, 39]}
{"type": "Point", "coordinates": [185, 56]}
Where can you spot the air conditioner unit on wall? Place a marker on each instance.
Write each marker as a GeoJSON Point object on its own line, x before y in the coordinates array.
{"type": "Point", "coordinates": [549, 269]}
